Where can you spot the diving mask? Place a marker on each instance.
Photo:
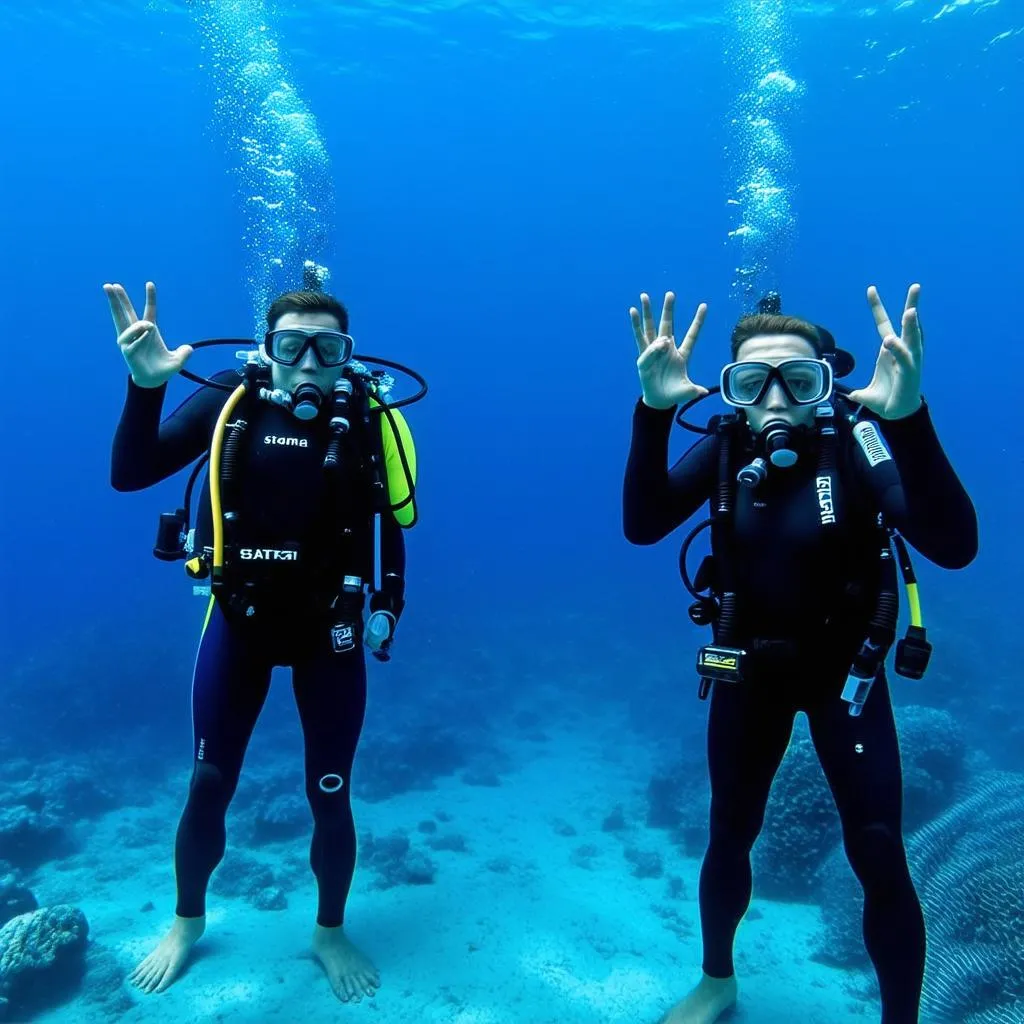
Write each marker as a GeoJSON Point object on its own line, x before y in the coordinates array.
{"type": "Point", "coordinates": [288, 346]}
{"type": "Point", "coordinates": [803, 381]}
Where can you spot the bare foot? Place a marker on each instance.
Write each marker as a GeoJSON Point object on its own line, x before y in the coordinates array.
{"type": "Point", "coordinates": [705, 1004]}
{"type": "Point", "coordinates": [352, 975]}
{"type": "Point", "coordinates": [164, 964]}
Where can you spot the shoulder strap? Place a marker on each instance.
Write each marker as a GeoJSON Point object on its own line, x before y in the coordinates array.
{"type": "Point", "coordinates": [723, 509]}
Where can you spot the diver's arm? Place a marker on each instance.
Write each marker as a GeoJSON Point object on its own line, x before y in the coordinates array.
{"type": "Point", "coordinates": [146, 451]}
{"type": "Point", "coordinates": [924, 499]}
{"type": "Point", "coordinates": [655, 499]}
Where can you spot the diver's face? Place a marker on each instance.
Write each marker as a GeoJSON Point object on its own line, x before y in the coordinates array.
{"type": "Point", "coordinates": [288, 378]}
{"type": "Point", "coordinates": [774, 348]}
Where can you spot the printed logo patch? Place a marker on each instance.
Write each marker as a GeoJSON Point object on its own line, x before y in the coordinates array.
{"type": "Point", "coordinates": [871, 443]}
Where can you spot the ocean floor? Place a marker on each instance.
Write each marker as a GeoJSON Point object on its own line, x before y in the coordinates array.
{"type": "Point", "coordinates": [535, 913]}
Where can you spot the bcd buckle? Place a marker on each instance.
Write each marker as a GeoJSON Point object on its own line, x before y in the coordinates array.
{"type": "Point", "coordinates": [913, 653]}
{"type": "Point", "coordinates": [718, 664]}
{"type": "Point", "coordinates": [197, 568]}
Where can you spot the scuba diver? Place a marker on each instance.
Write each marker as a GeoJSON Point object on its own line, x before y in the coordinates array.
{"type": "Point", "coordinates": [811, 486]}
{"type": "Point", "coordinates": [309, 487]}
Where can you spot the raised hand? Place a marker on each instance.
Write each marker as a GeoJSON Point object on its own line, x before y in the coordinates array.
{"type": "Point", "coordinates": [662, 365]}
{"type": "Point", "coordinates": [895, 388]}
{"type": "Point", "coordinates": [150, 361]}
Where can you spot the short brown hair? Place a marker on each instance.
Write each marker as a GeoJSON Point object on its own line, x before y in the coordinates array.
{"type": "Point", "coordinates": [775, 323]}
{"type": "Point", "coordinates": [307, 302]}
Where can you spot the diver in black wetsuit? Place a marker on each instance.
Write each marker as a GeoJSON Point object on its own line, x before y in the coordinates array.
{"type": "Point", "coordinates": [293, 489]}
{"type": "Point", "coordinates": [798, 570]}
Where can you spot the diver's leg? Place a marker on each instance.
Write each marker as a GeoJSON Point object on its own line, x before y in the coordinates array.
{"type": "Point", "coordinates": [330, 693]}
{"type": "Point", "coordinates": [749, 727]}
{"type": "Point", "coordinates": [229, 686]}
{"type": "Point", "coordinates": [861, 760]}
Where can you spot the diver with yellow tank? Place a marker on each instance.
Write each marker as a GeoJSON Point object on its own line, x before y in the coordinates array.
{"type": "Point", "coordinates": [309, 488]}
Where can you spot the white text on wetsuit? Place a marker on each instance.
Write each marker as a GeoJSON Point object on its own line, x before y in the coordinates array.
{"type": "Point", "coordinates": [825, 505]}
{"type": "Point", "coordinates": [292, 442]}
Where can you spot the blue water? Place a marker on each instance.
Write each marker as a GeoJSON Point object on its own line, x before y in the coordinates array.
{"type": "Point", "coordinates": [503, 179]}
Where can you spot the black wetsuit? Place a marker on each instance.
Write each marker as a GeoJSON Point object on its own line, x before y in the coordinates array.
{"type": "Point", "coordinates": [286, 503]}
{"type": "Point", "coordinates": [805, 596]}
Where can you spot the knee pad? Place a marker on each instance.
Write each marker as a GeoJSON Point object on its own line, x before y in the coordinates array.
{"type": "Point", "coordinates": [207, 784]}
{"type": "Point", "coordinates": [733, 832]}
{"type": "Point", "coordinates": [328, 798]}
{"type": "Point", "coordinates": [331, 783]}
{"type": "Point", "coordinates": [877, 855]}
{"type": "Point", "coordinates": [206, 774]}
